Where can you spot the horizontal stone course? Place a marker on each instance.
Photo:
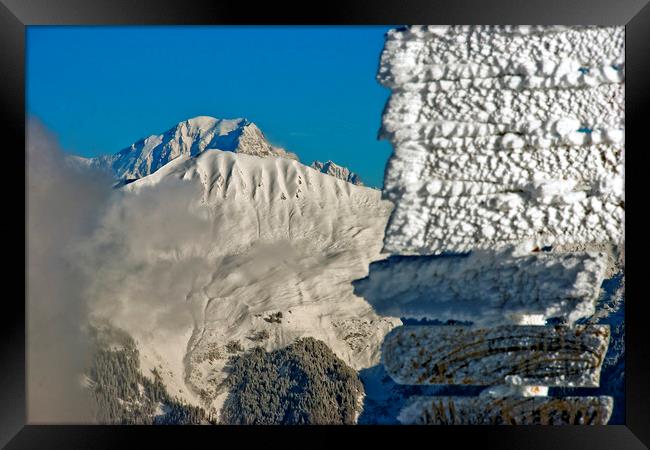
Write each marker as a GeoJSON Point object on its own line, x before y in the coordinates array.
{"type": "Point", "coordinates": [527, 355]}
{"type": "Point", "coordinates": [512, 410]}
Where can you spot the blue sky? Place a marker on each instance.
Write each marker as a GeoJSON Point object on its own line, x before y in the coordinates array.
{"type": "Point", "coordinates": [311, 90]}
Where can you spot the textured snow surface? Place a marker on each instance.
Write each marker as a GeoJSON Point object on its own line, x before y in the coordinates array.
{"type": "Point", "coordinates": [503, 134]}
{"type": "Point", "coordinates": [519, 355]}
{"type": "Point", "coordinates": [511, 410]}
{"type": "Point", "coordinates": [486, 287]}
{"type": "Point", "coordinates": [213, 247]}
{"type": "Point", "coordinates": [555, 54]}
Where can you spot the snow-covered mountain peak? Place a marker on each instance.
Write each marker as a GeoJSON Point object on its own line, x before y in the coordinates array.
{"type": "Point", "coordinates": [340, 172]}
{"type": "Point", "coordinates": [187, 138]}
{"type": "Point", "coordinates": [207, 122]}
{"type": "Point", "coordinates": [192, 137]}
{"type": "Point", "coordinates": [203, 125]}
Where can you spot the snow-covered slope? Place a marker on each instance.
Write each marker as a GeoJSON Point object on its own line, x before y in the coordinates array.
{"type": "Point", "coordinates": [209, 249]}
{"type": "Point", "coordinates": [187, 138]}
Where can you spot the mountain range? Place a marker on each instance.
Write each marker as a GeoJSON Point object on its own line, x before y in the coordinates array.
{"type": "Point", "coordinates": [191, 137]}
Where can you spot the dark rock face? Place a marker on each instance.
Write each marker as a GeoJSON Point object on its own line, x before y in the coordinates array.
{"type": "Point", "coordinates": [304, 383]}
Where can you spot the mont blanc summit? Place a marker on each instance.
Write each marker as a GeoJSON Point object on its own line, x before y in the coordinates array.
{"type": "Point", "coordinates": [187, 138]}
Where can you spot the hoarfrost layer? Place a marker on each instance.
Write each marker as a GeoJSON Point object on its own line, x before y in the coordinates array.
{"type": "Point", "coordinates": [486, 287]}
{"type": "Point", "coordinates": [502, 135]}
{"type": "Point", "coordinates": [421, 54]}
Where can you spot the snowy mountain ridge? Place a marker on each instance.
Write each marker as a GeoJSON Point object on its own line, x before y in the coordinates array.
{"type": "Point", "coordinates": [244, 240]}
{"type": "Point", "coordinates": [342, 173]}
{"type": "Point", "coordinates": [190, 138]}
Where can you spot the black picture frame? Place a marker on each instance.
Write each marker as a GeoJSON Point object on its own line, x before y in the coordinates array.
{"type": "Point", "coordinates": [15, 15]}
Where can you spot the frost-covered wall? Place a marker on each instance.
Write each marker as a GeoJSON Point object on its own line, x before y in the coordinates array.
{"type": "Point", "coordinates": [508, 180]}
{"type": "Point", "coordinates": [503, 135]}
